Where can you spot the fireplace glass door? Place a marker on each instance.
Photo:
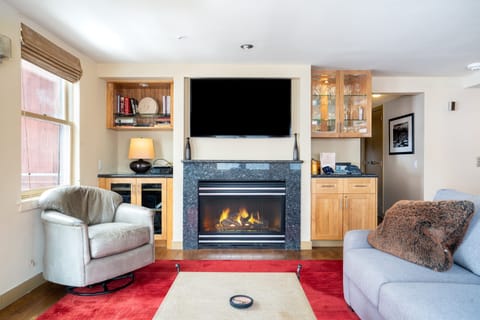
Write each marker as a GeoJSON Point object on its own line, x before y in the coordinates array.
{"type": "Point", "coordinates": [233, 214]}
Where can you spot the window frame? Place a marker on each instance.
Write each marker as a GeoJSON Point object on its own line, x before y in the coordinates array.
{"type": "Point", "coordinates": [68, 121]}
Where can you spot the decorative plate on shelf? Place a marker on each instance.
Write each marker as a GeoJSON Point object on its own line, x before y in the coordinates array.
{"type": "Point", "coordinates": [147, 105]}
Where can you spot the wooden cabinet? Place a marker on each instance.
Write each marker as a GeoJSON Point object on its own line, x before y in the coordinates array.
{"type": "Point", "coordinates": [342, 204]}
{"type": "Point", "coordinates": [341, 103]}
{"type": "Point", "coordinates": [140, 105]}
{"type": "Point", "coordinates": [151, 192]}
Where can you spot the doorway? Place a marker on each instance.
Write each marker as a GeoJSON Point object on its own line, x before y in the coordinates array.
{"type": "Point", "coordinates": [400, 176]}
{"type": "Point", "coordinates": [373, 155]}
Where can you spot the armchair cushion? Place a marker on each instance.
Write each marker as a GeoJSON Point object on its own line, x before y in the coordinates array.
{"type": "Point", "coordinates": [107, 239]}
{"type": "Point", "coordinates": [92, 205]}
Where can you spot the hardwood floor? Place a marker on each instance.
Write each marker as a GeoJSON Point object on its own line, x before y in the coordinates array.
{"type": "Point", "coordinates": [36, 302]}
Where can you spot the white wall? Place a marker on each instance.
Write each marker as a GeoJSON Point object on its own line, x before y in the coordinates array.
{"type": "Point", "coordinates": [450, 138]}
{"type": "Point", "coordinates": [346, 150]}
{"type": "Point", "coordinates": [450, 146]}
{"type": "Point", "coordinates": [21, 233]}
{"type": "Point", "coordinates": [221, 149]}
{"type": "Point", "coordinates": [403, 173]}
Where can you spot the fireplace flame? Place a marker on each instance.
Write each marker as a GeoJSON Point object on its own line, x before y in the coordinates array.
{"type": "Point", "coordinates": [224, 215]}
{"type": "Point", "coordinates": [242, 218]}
{"type": "Point", "coordinates": [254, 220]}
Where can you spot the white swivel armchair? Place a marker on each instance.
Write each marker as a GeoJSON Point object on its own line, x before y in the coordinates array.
{"type": "Point", "coordinates": [91, 238]}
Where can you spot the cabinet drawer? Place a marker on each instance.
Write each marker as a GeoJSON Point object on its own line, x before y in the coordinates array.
{"type": "Point", "coordinates": [360, 185]}
{"type": "Point", "coordinates": [327, 185]}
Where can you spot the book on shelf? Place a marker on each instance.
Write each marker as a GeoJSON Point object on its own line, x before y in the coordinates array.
{"type": "Point", "coordinates": [118, 108]}
{"type": "Point", "coordinates": [126, 105]}
{"type": "Point", "coordinates": [165, 104]}
{"type": "Point", "coordinates": [122, 105]}
{"type": "Point", "coordinates": [163, 120]}
{"type": "Point", "coordinates": [128, 109]}
{"type": "Point", "coordinates": [125, 121]}
{"type": "Point", "coordinates": [134, 105]}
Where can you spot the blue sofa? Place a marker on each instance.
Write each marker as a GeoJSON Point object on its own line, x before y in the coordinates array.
{"type": "Point", "coordinates": [378, 285]}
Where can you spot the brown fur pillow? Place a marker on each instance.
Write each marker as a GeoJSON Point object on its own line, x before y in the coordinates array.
{"type": "Point", "coordinates": [423, 232]}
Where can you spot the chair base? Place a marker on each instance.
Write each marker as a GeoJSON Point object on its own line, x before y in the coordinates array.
{"type": "Point", "coordinates": [103, 285]}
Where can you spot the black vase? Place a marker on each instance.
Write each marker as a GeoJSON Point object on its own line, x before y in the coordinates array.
{"type": "Point", "coordinates": [188, 151]}
{"type": "Point", "coordinates": [296, 156]}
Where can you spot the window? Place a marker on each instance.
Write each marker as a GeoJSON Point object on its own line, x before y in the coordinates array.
{"type": "Point", "coordinates": [46, 130]}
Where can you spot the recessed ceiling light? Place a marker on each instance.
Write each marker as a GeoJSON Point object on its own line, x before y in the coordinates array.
{"type": "Point", "coordinates": [475, 66]}
{"type": "Point", "coordinates": [246, 46]}
{"type": "Point", "coordinates": [181, 37]}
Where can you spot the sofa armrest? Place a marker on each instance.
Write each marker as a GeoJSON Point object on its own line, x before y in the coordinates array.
{"type": "Point", "coordinates": [356, 239]}
{"type": "Point", "coordinates": [135, 214]}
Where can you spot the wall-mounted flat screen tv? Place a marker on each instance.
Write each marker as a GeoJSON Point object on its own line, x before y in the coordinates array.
{"type": "Point", "coordinates": [240, 107]}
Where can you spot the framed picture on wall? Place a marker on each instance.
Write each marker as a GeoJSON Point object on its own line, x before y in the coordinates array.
{"type": "Point", "coordinates": [401, 134]}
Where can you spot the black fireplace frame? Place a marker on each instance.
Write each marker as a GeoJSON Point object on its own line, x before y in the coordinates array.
{"type": "Point", "coordinates": [242, 170]}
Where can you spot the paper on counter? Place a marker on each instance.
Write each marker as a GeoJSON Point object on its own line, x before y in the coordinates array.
{"type": "Point", "coordinates": [327, 159]}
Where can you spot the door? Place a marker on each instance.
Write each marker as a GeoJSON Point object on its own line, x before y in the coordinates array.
{"type": "Point", "coordinates": [151, 193]}
{"type": "Point", "coordinates": [374, 155]}
{"type": "Point", "coordinates": [327, 217]}
{"type": "Point", "coordinates": [124, 187]}
{"type": "Point", "coordinates": [358, 211]}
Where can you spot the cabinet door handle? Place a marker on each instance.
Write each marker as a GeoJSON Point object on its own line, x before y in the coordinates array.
{"type": "Point", "coordinates": [328, 185]}
{"type": "Point", "coordinates": [360, 186]}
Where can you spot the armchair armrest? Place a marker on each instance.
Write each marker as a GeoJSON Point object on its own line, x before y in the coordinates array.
{"type": "Point", "coordinates": [67, 249]}
{"type": "Point", "coordinates": [52, 216]}
{"type": "Point", "coordinates": [135, 214]}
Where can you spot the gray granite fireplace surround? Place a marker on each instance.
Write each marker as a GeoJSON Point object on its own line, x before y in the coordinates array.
{"type": "Point", "coordinates": [241, 170]}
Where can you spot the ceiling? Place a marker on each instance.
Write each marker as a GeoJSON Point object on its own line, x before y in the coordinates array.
{"type": "Point", "coordinates": [395, 37]}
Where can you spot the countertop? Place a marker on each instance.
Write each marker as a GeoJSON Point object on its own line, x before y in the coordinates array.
{"type": "Point", "coordinates": [133, 175]}
{"type": "Point", "coordinates": [363, 175]}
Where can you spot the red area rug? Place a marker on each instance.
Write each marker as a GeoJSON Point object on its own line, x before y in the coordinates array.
{"type": "Point", "coordinates": [321, 280]}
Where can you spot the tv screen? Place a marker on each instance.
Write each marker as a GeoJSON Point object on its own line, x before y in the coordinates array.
{"type": "Point", "coordinates": [240, 107]}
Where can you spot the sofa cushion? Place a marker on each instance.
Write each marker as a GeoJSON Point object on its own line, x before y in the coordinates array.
{"type": "Point", "coordinates": [424, 232]}
{"type": "Point", "coordinates": [370, 269]}
{"type": "Point", "coordinates": [467, 254]}
{"type": "Point", "coordinates": [429, 301]}
{"type": "Point", "coordinates": [110, 238]}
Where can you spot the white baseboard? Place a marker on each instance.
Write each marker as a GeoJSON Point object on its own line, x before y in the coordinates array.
{"type": "Point", "coordinates": [306, 245]}
{"type": "Point", "coordinates": [327, 243]}
{"type": "Point", "coordinates": [176, 245]}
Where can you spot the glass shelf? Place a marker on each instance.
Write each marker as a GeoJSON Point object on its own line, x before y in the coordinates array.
{"type": "Point", "coordinates": [340, 103]}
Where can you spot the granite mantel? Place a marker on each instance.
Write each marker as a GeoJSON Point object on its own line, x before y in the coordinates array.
{"type": "Point", "coordinates": [241, 170]}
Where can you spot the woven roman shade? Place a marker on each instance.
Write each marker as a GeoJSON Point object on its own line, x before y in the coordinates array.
{"type": "Point", "coordinates": [42, 52]}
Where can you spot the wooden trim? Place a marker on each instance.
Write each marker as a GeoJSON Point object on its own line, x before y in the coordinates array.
{"type": "Point", "coordinates": [169, 205]}
{"type": "Point", "coordinates": [19, 291]}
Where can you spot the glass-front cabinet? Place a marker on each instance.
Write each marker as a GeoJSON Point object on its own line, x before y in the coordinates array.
{"type": "Point", "coordinates": [148, 192]}
{"type": "Point", "coordinates": [341, 103]}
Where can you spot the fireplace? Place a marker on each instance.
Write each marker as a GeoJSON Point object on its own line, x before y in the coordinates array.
{"type": "Point", "coordinates": [241, 213]}
{"type": "Point", "coordinates": [286, 228]}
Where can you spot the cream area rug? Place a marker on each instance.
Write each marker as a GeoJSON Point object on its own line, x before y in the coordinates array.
{"type": "Point", "coordinates": [206, 295]}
